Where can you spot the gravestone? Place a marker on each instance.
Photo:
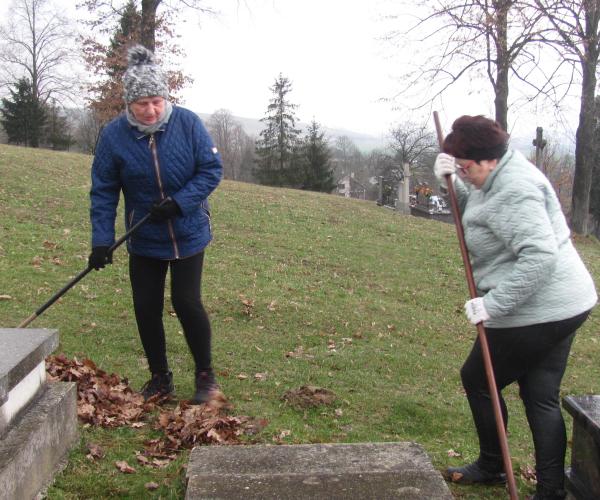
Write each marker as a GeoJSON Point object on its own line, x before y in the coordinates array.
{"type": "Point", "coordinates": [38, 420]}
{"type": "Point", "coordinates": [583, 477]}
{"type": "Point", "coordinates": [317, 471]}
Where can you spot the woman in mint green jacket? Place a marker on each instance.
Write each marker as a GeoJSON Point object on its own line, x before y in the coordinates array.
{"type": "Point", "coordinates": [534, 292]}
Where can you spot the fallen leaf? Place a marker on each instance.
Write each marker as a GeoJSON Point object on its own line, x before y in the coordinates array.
{"type": "Point", "coordinates": [160, 463]}
{"type": "Point", "coordinates": [527, 472]}
{"type": "Point", "coordinates": [452, 453]}
{"type": "Point", "coordinates": [242, 376]}
{"type": "Point", "coordinates": [141, 458]}
{"type": "Point", "coordinates": [260, 376]}
{"type": "Point", "coordinates": [5, 297]}
{"type": "Point", "coordinates": [95, 451]}
{"type": "Point", "coordinates": [456, 476]}
{"type": "Point", "coordinates": [151, 486]}
{"type": "Point", "coordinates": [124, 467]}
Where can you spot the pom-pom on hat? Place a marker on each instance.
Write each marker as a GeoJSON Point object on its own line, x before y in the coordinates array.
{"type": "Point", "coordinates": [143, 78]}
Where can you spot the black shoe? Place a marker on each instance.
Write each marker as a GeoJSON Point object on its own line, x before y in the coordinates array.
{"type": "Point", "coordinates": [473, 474]}
{"type": "Point", "coordinates": [161, 384]}
{"type": "Point", "coordinates": [205, 386]}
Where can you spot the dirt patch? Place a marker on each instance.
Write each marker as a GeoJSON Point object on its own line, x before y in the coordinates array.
{"type": "Point", "coordinates": [308, 396]}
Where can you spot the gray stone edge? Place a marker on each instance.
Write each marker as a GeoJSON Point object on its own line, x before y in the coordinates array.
{"type": "Point", "coordinates": [196, 476]}
{"type": "Point", "coordinates": [579, 407]}
{"type": "Point", "coordinates": [33, 449]}
{"type": "Point", "coordinates": [10, 379]}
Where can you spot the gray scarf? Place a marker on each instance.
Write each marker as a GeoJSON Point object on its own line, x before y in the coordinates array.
{"type": "Point", "coordinates": [150, 129]}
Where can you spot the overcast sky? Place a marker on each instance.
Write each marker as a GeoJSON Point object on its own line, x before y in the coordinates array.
{"type": "Point", "coordinates": [331, 50]}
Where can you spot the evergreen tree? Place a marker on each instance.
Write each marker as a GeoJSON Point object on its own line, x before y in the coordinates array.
{"type": "Point", "coordinates": [318, 172]}
{"type": "Point", "coordinates": [277, 148]}
{"type": "Point", "coordinates": [23, 115]}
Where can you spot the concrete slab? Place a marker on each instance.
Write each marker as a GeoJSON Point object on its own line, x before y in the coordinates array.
{"type": "Point", "coordinates": [583, 477]}
{"type": "Point", "coordinates": [20, 396]}
{"type": "Point", "coordinates": [333, 471]}
{"type": "Point", "coordinates": [34, 446]}
{"type": "Point", "coordinates": [22, 350]}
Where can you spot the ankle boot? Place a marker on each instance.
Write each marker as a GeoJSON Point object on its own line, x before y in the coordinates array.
{"type": "Point", "coordinates": [205, 385]}
{"type": "Point", "coordinates": [473, 474]}
{"type": "Point", "coordinates": [161, 384]}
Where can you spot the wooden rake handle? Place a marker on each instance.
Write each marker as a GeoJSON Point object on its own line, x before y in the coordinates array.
{"type": "Point", "coordinates": [485, 350]}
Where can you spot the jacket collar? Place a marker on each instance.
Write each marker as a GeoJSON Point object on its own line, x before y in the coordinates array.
{"type": "Point", "coordinates": [487, 185]}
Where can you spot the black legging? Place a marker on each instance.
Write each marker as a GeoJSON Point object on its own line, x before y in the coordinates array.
{"type": "Point", "coordinates": [536, 357]}
{"type": "Point", "coordinates": [147, 277]}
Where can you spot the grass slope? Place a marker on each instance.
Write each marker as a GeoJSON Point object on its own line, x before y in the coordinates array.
{"type": "Point", "coordinates": [369, 302]}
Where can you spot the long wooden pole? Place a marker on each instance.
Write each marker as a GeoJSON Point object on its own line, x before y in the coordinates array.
{"type": "Point", "coordinates": [485, 350]}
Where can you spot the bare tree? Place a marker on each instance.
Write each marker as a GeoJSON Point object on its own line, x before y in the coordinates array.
{"type": "Point", "coordinates": [87, 129]}
{"type": "Point", "coordinates": [221, 126]}
{"type": "Point", "coordinates": [232, 142]}
{"type": "Point", "coordinates": [37, 43]}
{"type": "Point", "coordinates": [347, 158]}
{"type": "Point", "coordinates": [558, 166]}
{"type": "Point", "coordinates": [468, 38]}
{"type": "Point", "coordinates": [576, 36]}
{"type": "Point", "coordinates": [243, 154]}
{"type": "Point", "coordinates": [411, 142]}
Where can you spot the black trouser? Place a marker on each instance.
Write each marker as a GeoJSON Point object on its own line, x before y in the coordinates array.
{"type": "Point", "coordinates": [536, 357]}
{"type": "Point", "coordinates": [148, 286]}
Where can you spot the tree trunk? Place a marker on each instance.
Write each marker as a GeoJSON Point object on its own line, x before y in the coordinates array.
{"type": "Point", "coordinates": [149, 23]}
{"type": "Point", "coordinates": [584, 149]}
{"type": "Point", "coordinates": [502, 63]}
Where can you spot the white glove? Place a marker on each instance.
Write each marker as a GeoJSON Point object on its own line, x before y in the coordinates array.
{"type": "Point", "coordinates": [444, 165]}
{"type": "Point", "coordinates": [475, 310]}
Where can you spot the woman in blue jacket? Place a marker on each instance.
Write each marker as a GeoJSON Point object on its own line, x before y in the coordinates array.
{"type": "Point", "coordinates": [163, 160]}
{"type": "Point", "coordinates": [534, 293]}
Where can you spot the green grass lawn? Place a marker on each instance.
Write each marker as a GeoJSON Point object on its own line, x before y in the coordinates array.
{"type": "Point", "coordinates": [368, 301]}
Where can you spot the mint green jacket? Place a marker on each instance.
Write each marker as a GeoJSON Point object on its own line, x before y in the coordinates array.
{"type": "Point", "coordinates": [524, 263]}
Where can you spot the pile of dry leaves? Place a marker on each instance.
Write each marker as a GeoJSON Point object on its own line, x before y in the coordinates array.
{"type": "Point", "coordinates": [108, 401]}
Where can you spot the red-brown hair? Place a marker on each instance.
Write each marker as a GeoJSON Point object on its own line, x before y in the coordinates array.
{"type": "Point", "coordinates": [476, 138]}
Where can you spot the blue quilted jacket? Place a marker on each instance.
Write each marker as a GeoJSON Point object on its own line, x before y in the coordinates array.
{"type": "Point", "coordinates": [179, 161]}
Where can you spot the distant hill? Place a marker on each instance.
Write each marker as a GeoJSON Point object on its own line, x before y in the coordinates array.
{"type": "Point", "coordinates": [364, 142]}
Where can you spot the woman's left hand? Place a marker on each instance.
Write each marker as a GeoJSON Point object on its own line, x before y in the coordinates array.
{"type": "Point", "coordinates": [475, 310]}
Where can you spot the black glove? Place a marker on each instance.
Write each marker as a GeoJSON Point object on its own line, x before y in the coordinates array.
{"type": "Point", "coordinates": [99, 257]}
{"type": "Point", "coordinates": [161, 212]}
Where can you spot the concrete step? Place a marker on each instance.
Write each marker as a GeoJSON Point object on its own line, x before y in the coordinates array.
{"type": "Point", "coordinates": [22, 368]}
{"type": "Point", "coordinates": [36, 442]}
{"type": "Point", "coordinates": [332, 471]}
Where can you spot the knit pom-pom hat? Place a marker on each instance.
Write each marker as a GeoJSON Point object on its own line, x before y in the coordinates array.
{"type": "Point", "coordinates": [143, 78]}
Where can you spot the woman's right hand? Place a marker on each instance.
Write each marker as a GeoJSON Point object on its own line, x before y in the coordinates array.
{"type": "Point", "coordinates": [444, 165]}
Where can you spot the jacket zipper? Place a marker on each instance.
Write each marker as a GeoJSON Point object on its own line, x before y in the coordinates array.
{"type": "Point", "coordinates": [131, 214]}
{"type": "Point", "coordinates": [152, 144]}
{"type": "Point", "coordinates": [207, 212]}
